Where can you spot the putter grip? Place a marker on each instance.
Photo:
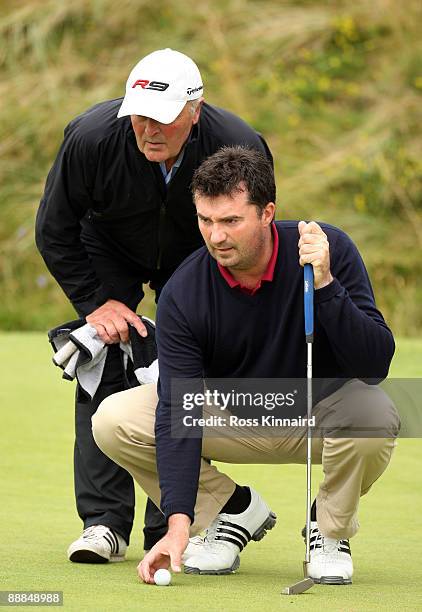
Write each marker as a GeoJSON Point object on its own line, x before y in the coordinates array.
{"type": "Point", "coordinates": [308, 295]}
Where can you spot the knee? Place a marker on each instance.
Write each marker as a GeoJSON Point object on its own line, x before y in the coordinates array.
{"type": "Point", "coordinates": [373, 447]}
{"type": "Point", "coordinates": [105, 423]}
{"type": "Point", "coordinates": [379, 424]}
{"type": "Point", "coordinates": [372, 415]}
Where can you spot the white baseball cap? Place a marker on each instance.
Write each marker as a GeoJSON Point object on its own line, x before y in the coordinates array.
{"type": "Point", "coordinates": [160, 85]}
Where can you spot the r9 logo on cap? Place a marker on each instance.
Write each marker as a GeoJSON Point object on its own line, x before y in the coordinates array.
{"type": "Point", "coordinates": [156, 85]}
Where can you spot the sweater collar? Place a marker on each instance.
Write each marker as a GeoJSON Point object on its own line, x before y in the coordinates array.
{"type": "Point", "coordinates": [268, 275]}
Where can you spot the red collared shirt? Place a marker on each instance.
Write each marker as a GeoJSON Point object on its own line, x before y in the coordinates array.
{"type": "Point", "coordinates": [267, 276]}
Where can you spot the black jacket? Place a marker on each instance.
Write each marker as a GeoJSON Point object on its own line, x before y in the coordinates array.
{"type": "Point", "coordinates": [105, 202]}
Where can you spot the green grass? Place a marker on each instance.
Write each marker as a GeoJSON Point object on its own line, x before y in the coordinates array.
{"type": "Point", "coordinates": [38, 518]}
{"type": "Point", "coordinates": [407, 362]}
{"type": "Point", "coordinates": [334, 85]}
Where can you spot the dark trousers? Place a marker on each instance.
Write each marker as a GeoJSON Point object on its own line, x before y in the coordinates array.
{"type": "Point", "coordinates": [104, 491]}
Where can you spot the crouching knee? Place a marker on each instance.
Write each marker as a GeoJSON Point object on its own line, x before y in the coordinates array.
{"type": "Point", "coordinates": [368, 413]}
{"type": "Point", "coordinates": [379, 426]}
{"type": "Point", "coordinates": [105, 423]}
{"type": "Point", "coordinates": [373, 447]}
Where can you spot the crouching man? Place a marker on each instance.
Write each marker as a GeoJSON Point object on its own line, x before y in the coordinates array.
{"type": "Point", "coordinates": [234, 309]}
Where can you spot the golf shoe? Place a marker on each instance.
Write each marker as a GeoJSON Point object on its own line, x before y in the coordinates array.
{"type": "Point", "coordinates": [228, 535]}
{"type": "Point", "coordinates": [97, 544]}
{"type": "Point", "coordinates": [330, 559]}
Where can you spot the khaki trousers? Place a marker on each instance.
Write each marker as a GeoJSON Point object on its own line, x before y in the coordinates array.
{"type": "Point", "coordinates": [123, 428]}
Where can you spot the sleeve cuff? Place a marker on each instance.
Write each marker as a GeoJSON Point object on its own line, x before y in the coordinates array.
{"type": "Point", "coordinates": [178, 509]}
{"type": "Point", "coordinates": [329, 291]}
{"type": "Point", "coordinates": [97, 299]}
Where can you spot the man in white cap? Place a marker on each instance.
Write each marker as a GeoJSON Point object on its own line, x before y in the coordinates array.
{"type": "Point", "coordinates": [117, 212]}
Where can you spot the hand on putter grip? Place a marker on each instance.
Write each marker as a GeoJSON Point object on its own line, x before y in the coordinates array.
{"type": "Point", "coordinates": [111, 322]}
{"type": "Point", "coordinates": [167, 552]}
{"type": "Point", "coordinates": [315, 249]}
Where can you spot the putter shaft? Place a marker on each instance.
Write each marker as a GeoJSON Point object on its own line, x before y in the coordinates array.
{"type": "Point", "coordinates": [307, 583]}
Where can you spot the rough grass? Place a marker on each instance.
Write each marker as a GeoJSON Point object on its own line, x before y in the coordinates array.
{"type": "Point", "coordinates": [334, 86]}
{"type": "Point", "coordinates": [38, 519]}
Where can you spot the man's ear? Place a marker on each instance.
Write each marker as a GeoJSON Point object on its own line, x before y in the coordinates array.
{"type": "Point", "coordinates": [268, 213]}
{"type": "Point", "coordinates": [197, 112]}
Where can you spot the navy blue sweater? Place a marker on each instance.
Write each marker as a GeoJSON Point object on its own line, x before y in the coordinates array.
{"type": "Point", "coordinates": [207, 329]}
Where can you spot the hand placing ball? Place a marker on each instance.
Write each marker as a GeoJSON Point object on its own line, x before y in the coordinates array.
{"type": "Point", "coordinates": [162, 577]}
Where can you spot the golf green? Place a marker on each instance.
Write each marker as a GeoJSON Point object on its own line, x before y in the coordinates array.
{"type": "Point", "coordinates": [38, 518]}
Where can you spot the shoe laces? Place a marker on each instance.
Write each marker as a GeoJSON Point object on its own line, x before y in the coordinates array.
{"type": "Point", "coordinates": [211, 531]}
{"type": "Point", "coordinates": [328, 545]}
{"type": "Point", "coordinates": [94, 532]}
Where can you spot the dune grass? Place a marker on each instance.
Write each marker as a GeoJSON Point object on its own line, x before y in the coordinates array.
{"type": "Point", "coordinates": [38, 518]}
{"type": "Point", "coordinates": [334, 86]}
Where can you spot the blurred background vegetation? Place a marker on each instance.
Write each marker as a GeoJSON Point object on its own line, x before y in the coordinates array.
{"type": "Point", "coordinates": [334, 86]}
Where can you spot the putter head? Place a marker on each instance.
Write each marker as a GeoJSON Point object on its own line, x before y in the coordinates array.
{"type": "Point", "coordinates": [298, 587]}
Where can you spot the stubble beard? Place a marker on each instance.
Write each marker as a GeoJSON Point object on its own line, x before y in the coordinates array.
{"type": "Point", "coordinates": [246, 258]}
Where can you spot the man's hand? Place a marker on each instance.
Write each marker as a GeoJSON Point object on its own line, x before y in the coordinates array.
{"type": "Point", "coordinates": [314, 249]}
{"type": "Point", "coordinates": [168, 551]}
{"type": "Point", "coordinates": [111, 322]}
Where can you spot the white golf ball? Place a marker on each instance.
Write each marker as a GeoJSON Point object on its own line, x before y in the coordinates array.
{"type": "Point", "coordinates": [162, 577]}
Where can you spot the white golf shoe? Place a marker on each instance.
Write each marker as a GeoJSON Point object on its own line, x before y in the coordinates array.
{"type": "Point", "coordinates": [97, 544]}
{"type": "Point", "coordinates": [193, 548]}
{"type": "Point", "coordinates": [330, 560]}
{"type": "Point", "coordinates": [227, 536]}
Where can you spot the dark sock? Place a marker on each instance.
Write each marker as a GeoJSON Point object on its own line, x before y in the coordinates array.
{"type": "Point", "coordinates": [313, 511]}
{"type": "Point", "coordinates": [239, 501]}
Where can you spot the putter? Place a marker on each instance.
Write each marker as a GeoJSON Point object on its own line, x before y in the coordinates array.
{"type": "Point", "coordinates": [308, 278]}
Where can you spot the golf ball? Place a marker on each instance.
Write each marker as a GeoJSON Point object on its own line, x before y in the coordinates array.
{"type": "Point", "coordinates": [162, 577]}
